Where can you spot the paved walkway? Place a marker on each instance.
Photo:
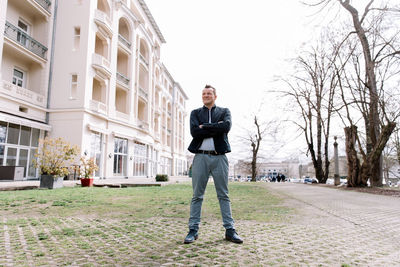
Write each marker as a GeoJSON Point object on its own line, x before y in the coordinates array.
{"type": "Point", "coordinates": [343, 226]}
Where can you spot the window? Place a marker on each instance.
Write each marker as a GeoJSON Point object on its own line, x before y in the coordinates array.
{"type": "Point", "coordinates": [95, 150]}
{"type": "Point", "coordinates": [140, 159]}
{"type": "Point", "coordinates": [3, 131]}
{"type": "Point", "coordinates": [25, 136]}
{"type": "Point", "coordinates": [23, 32]}
{"type": "Point", "coordinates": [13, 134]}
{"type": "Point", "coordinates": [1, 155]}
{"type": "Point", "coordinates": [120, 156]}
{"type": "Point", "coordinates": [18, 78]}
{"type": "Point", "coordinates": [74, 86]}
{"type": "Point", "coordinates": [77, 38]}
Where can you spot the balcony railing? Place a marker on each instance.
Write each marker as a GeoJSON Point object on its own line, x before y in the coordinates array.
{"type": "Point", "coordinates": [144, 60]}
{"type": "Point", "coordinates": [122, 115]}
{"type": "Point", "coordinates": [143, 125]}
{"type": "Point", "coordinates": [103, 20]}
{"type": "Point", "coordinates": [122, 78]}
{"type": "Point", "coordinates": [23, 94]}
{"type": "Point", "coordinates": [101, 62]}
{"type": "Point", "coordinates": [142, 93]}
{"type": "Point", "coordinates": [45, 4]}
{"type": "Point", "coordinates": [124, 41]}
{"type": "Point", "coordinates": [98, 106]}
{"type": "Point", "coordinates": [25, 40]}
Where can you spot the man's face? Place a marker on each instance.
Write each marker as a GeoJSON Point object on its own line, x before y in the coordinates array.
{"type": "Point", "coordinates": [208, 96]}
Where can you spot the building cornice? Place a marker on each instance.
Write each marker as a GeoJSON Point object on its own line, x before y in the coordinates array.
{"type": "Point", "coordinates": [152, 21]}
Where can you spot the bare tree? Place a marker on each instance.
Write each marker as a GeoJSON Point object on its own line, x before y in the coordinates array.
{"type": "Point", "coordinates": [372, 59]}
{"type": "Point", "coordinates": [261, 135]}
{"type": "Point", "coordinates": [313, 90]}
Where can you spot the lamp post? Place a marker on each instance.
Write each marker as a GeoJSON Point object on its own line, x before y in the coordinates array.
{"type": "Point", "coordinates": [337, 177]}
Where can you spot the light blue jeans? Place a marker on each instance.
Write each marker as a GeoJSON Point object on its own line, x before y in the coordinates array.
{"type": "Point", "coordinates": [204, 165]}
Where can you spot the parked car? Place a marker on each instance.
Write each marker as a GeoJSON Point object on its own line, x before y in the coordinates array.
{"type": "Point", "coordinates": [310, 180]}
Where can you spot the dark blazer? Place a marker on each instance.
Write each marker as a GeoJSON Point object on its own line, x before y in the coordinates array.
{"type": "Point", "coordinates": [218, 129]}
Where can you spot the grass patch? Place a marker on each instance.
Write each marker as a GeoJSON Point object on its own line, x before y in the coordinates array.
{"type": "Point", "coordinates": [249, 202]}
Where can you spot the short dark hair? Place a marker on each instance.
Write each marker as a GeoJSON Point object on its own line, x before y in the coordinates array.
{"type": "Point", "coordinates": [210, 87]}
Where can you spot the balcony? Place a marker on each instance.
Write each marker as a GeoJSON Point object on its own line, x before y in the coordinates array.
{"type": "Point", "coordinates": [23, 94]}
{"type": "Point", "coordinates": [22, 39]}
{"type": "Point", "coordinates": [103, 21]}
{"type": "Point", "coordinates": [121, 115]}
{"type": "Point", "coordinates": [122, 79]}
{"type": "Point", "coordinates": [101, 64]}
{"type": "Point", "coordinates": [98, 107]}
{"type": "Point", "coordinates": [45, 4]}
{"type": "Point", "coordinates": [125, 44]}
{"type": "Point", "coordinates": [143, 125]}
{"type": "Point", "coordinates": [157, 110]}
{"type": "Point", "coordinates": [142, 93]}
{"type": "Point", "coordinates": [144, 60]}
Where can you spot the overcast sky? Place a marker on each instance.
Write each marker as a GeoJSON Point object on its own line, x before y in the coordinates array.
{"type": "Point", "coordinates": [236, 46]}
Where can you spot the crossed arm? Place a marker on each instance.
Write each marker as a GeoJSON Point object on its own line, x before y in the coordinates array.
{"type": "Point", "coordinates": [207, 130]}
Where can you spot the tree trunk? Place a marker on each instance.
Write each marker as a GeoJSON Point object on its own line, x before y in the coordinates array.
{"type": "Point", "coordinates": [353, 163]}
{"type": "Point", "coordinates": [254, 164]}
{"type": "Point", "coordinates": [358, 176]}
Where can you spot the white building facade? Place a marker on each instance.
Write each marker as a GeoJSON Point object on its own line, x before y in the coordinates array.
{"type": "Point", "coordinates": [106, 88]}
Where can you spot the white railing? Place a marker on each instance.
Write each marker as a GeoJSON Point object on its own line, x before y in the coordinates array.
{"type": "Point", "coordinates": [124, 41]}
{"type": "Point", "coordinates": [142, 93]}
{"type": "Point", "coordinates": [98, 107]}
{"type": "Point", "coordinates": [23, 94]}
{"type": "Point", "coordinates": [121, 115]}
{"type": "Point", "coordinates": [99, 60]}
{"type": "Point", "coordinates": [102, 17]}
{"type": "Point", "coordinates": [144, 60]}
{"type": "Point", "coordinates": [143, 124]}
{"type": "Point", "coordinates": [122, 78]}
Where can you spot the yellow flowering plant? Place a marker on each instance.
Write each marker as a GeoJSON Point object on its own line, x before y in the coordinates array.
{"type": "Point", "coordinates": [54, 156]}
{"type": "Point", "coordinates": [88, 167]}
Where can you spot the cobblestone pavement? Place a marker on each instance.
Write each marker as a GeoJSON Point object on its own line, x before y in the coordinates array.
{"type": "Point", "coordinates": [329, 227]}
{"type": "Point", "coordinates": [343, 227]}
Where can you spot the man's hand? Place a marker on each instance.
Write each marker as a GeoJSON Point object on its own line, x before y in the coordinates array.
{"type": "Point", "coordinates": [201, 126]}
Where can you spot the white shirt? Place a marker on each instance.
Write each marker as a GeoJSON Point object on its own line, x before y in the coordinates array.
{"type": "Point", "coordinates": [208, 143]}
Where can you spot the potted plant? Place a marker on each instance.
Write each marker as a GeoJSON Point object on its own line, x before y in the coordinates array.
{"type": "Point", "coordinates": [53, 157]}
{"type": "Point", "coordinates": [87, 168]}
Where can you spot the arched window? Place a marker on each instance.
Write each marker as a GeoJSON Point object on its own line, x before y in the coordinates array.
{"type": "Point", "coordinates": [124, 33]}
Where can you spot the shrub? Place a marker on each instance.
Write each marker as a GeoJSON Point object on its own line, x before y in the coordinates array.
{"type": "Point", "coordinates": [54, 155]}
{"type": "Point", "coordinates": [161, 177]}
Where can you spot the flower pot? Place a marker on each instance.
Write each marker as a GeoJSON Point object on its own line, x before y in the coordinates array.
{"type": "Point", "coordinates": [87, 182]}
{"type": "Point", "coordinates": [51, 182]}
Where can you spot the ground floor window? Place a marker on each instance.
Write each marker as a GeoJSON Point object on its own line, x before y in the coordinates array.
{"type": "Point", "coordinates": [18, 145]}
{"type": "Point", "coordinates": [180, 167]}
{"type": "Point", "coordinates": [120, 156]}
{"type": "Point", "coordinates": [140, 159]}
{"type": "Point", "coordinates": [166, 165]}
{"type": "Point", "coordinates": [96, 150]}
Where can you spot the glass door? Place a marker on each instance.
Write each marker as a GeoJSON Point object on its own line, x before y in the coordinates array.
{"type": "Point", "coordinates": [23, 159]}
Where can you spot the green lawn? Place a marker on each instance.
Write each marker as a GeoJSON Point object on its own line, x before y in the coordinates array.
{"type": "Point", "coordinates": [249, 202]}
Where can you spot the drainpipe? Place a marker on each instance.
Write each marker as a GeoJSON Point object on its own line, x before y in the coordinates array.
{"type": "Point", "coordinates": [53, 40]}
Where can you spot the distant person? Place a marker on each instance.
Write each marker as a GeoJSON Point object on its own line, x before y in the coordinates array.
{"type": "Point", "coordinates": [283, 178]}
{"type": "Point", "coordinates": [279, 178]}
{"type": "Point", "coordinates": [209, 127]}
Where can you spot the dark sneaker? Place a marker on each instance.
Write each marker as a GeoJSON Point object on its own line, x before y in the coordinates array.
{"type": "Point", "coordinates": [232, 236]}
{"type": "Point", "coordinates": [191, 236]}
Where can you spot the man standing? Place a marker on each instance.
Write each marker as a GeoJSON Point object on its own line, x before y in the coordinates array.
{"type": "Point", "coordinates": [209, 127]}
